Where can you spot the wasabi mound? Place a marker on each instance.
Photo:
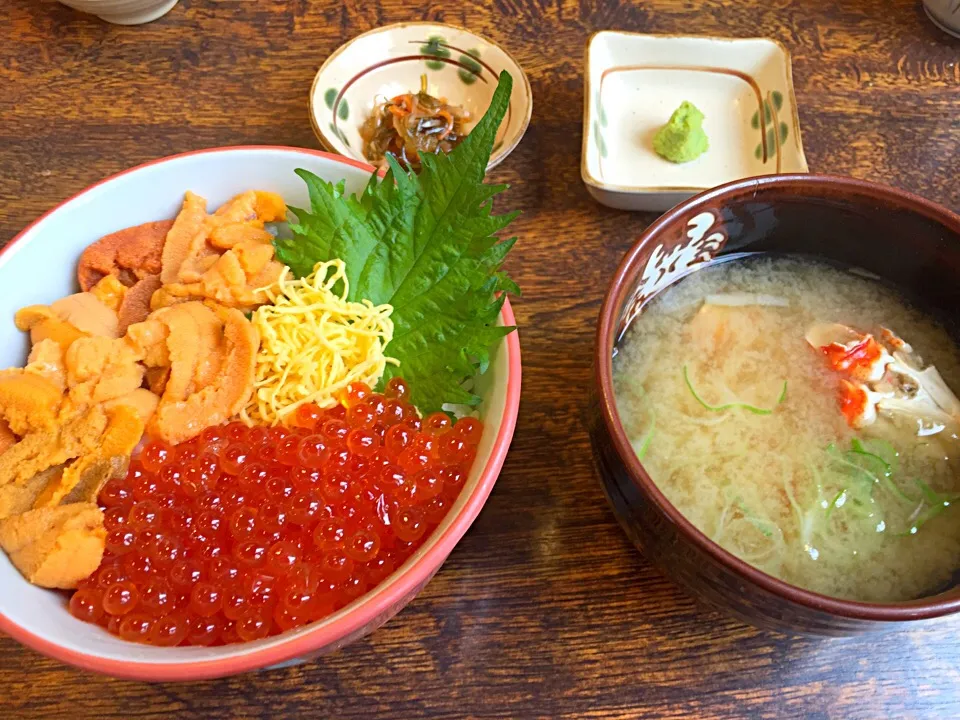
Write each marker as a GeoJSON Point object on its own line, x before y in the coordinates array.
{"type": "Point", "coordinates": [682, 139]}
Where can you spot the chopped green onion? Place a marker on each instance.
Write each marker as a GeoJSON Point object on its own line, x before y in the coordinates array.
{"type": "Point", "coordinates": [729, 406]}
{"type": "Point", "coordinates": [645, 445]}
{"type": "Point", "coordinates": [837, 501]}
{"type": "Point", "coordinates": [841, 460]}
{"type": "Point", "coordinates": [877, 461]}
{"type": "Point", "coordinates": [882, 449]}
{"type": "Point", "coordinates": [762, 525]}
{"type": "Point", "coordinates": [929, 494]}
{"type": "Point", "coordinates": [930, 514]}
{"type": "Point", "coordinates": [857, 448]}
{"type": "Point", "coordinates": [933, 497]}
{"type": "Point", "coordinates": [881, 478]}
{"type": "Point", "coordinates": [938, 503]}
{"type": "Point", "coordinates": [854, 460]}
{"type": "Point", "coordinates": [783, 393]}
{"type": "Point", "coordinates": [862, 464]}
{"type": "Point", "coordinates": [759, 525]}
{"type": "Point", "coordinates": [860, 507]}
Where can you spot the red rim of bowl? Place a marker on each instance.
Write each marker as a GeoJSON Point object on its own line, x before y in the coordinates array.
{"type": "Point", "coordinates": [366, 611]}
{"type": "Point", "coordinates": [616, 294]}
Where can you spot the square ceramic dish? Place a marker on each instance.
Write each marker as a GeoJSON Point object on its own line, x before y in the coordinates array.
{"type": "Point", "coordinates": [635, 82]}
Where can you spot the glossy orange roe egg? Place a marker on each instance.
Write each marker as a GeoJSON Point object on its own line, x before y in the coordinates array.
{"type": "Point", "coordinates": [244, 533]}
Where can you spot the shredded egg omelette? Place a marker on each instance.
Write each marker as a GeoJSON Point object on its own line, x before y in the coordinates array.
{"type": "Point", "coordinates": [314, 342]}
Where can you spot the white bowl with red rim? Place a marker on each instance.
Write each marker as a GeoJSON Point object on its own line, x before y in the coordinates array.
{"type": "Point", "coordinates": [39, 266]}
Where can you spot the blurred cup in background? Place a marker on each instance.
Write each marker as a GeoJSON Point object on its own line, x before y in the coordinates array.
{"type": "Point", "coordinates": [123, 12]}
{"type": "Point", "coordinates": [945, 13]}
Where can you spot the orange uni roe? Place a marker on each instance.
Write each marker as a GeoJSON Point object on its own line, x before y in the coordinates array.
{"type": "Point", "coordinates": [243, 532]}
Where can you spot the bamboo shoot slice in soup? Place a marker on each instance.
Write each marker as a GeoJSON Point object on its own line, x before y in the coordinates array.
{"type": "Point", "coordinates": [804, 418]}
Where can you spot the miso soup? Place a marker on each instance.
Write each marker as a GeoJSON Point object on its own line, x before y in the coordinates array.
{"type": "Point", "coordinates": [803, 417]}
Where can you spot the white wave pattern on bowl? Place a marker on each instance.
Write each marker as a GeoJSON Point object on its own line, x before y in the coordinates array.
{"type": "Point", "coordinates": [663, 268]}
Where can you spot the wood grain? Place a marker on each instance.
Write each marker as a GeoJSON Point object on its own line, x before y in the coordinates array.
{"type": "Point", "coordinates": [543, 610]}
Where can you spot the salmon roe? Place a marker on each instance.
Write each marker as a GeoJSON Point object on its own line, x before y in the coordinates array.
{"type": "Point", "coordinates": [243, 533]}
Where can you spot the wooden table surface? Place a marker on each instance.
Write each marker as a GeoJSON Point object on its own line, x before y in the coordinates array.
{"type": "Point", "coordinates": [543, 610]}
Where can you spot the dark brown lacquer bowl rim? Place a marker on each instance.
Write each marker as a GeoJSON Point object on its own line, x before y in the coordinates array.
{"type": "Point", "coordinates": [620, 287]}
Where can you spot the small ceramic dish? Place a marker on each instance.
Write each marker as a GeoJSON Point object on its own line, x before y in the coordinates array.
{"type": "Point", "coordinates": [635, 82]}
{"type": "Point", "coordinates": [460, 66]}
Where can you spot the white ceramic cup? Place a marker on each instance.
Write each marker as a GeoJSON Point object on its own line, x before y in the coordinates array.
{"type": "Point", "coordinates": [945, 14]}
{"type": "Point", "coordinates": [123, 12]}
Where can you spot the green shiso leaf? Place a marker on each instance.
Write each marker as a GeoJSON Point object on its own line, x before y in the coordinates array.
{"type": "Point", "coordinates": [427, 245]}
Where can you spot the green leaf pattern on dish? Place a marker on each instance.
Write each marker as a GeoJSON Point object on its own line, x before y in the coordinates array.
{"type": "Point", "coordinates": [598, 136]}
{"type": "Point", "coordinates": [434, 47]}
{"type": "Point", "coordinates": [471, 69]}
{"type": "Point", "coordinates": [598, 126]}
{"type": "Point", "coordinates": [343, 107]}
{"type": "Point", "coordinates": [771, 120]}
{"type": "Point", "coordinates": [339, 134]}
